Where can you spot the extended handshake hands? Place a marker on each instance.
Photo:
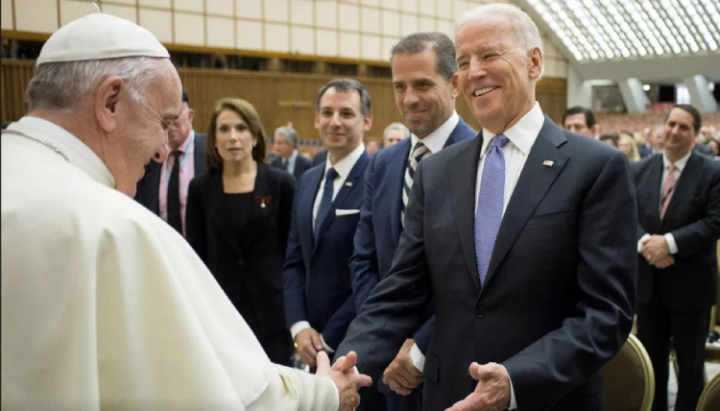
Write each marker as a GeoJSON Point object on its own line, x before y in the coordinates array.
{"type": "Point", "coordinates": [346, 378]}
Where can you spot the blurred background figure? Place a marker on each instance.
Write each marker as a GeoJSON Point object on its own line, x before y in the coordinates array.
{"type": "Point", "coordinates": [372, 147]}
{"type": "Point", "coordinates": [611, 139]}
{"type": "Point", "coordinates": [164, 187]}
{"type": "Point", "coordinates": [238, 222]}
{"type": "Point", "coordinates": [581, 120]}
{"type": "Point", "coordinates": [626, 144]}
{"type": "Point", "coordinates": [395, 133]}
{"type": "Point", "coordinates": [288, 159]}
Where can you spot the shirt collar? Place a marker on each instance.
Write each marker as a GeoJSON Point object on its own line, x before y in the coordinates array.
{"type": "Point", "coordinates": [680, 164]}
{"type": "Point", "coordinates": [436, 140]}
{"type": "Point", "coordinates": [72, 142]}
{"type": "Point", "coordinates": [523, 134]}
{"type": "Point", "coordinates": [292, 158]}
{"type": "Point", "coordinates": [184, 147]}
{"type": "Point", "coordinates": [345, 166]}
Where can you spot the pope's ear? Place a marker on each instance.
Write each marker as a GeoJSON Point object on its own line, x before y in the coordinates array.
{"type": "Point", "coordinates": [107, 100]}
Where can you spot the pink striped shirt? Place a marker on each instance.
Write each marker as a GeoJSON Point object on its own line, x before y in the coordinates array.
{"type": "Point", "coordinates": [187, 172]}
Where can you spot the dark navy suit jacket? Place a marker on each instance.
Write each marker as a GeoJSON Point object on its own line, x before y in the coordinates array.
{"type": "Point", "coordinates": [317, 274]}
{"type": "Point", "coordinates": [379, 229]}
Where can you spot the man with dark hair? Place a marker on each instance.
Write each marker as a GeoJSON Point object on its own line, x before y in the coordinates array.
{"type": "Point", "coordinates": [425, 84]}
{"type": "Point", "coordinates": [581, 120]}
{"type": "Point", "coordinates": [678, 195]}
{"type": "Point", "coordinates": [164, 187]}
{"type": "Point", "coordinates": [319, 304]}
{"type": "Point", "coordinates": [610, 139]}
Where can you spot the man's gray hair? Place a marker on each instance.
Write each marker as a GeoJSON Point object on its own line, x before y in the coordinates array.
{"type": "Point", "coordinates": [526, 31]}
{"type": "Point", "coordinates": [439, 43]}
{"type": "Point", "coordinates": [396, 126]}
{"type": "Point", "coordinates": [344, 85]}
{"type": "Point", "coordinates": [291, 136]}
{"type": "Point", "coordinates": [62, 86]}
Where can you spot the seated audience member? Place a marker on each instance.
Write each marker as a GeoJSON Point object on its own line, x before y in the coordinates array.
{"type": "Point", "coordinates": [395, 133]}
{"type": "Point", "coordinates": [611, 139]}
{"type": "Point", "coordinates": [581, 120]}
{"type": "Point", "coordinates": [627, 145]}
{"type": "Point", "coordinates": [238, 221]}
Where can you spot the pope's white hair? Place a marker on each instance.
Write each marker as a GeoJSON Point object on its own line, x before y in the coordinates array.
{"type": "Point", "coordinates": [63, 86]}
{"type": "Point", "coordinates": [526, 30]}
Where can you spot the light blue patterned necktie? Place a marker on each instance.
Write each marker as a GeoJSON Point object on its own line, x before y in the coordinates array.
{"type": "Point", "coordinates": [489, 212]}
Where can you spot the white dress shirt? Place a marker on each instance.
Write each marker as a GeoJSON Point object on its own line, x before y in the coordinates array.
{"type": "Point", "coordinates": [521, 138]}
{"type": "Point", "coordinates": [436, 140]}
{"type": "Point", "coordinates": [343, 169]}
{"type": "Point", "coordinates": [679, 167]}
{"type": "Point", "coordinates": [291, 162]}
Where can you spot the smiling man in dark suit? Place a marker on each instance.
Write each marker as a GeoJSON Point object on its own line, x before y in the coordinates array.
{"type": "Point", "coordinates": [679, 225]}
{"type": "Point", "coordinates": [523, 238]}
{"type": "Point", "coordinates": [425, 84]}
{"type": "Point", "coordinates": [164, 187]}
{"type": "Point", "coordinates": [319, 304]}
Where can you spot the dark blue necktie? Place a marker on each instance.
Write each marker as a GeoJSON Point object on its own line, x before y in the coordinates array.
{"type": "Point", "coordinates": [326, 201]}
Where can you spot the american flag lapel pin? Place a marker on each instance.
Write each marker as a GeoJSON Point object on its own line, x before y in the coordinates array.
{"type": "Point", "coordinates": [548, 163]}
{"type": "Point", "coordinates": [348, 184]}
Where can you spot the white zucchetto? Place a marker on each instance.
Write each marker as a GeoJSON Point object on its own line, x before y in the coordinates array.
{"type": "Point", "coordinates": [100, 36]}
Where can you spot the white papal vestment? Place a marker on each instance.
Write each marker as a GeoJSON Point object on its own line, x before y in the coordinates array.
{"type": "Point", "coordinates": [106, 307]}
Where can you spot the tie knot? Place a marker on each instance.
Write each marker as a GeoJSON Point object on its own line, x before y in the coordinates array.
{"type": "Point", "coordinates": [499, 141]}
{"type": "Point", "coordinates": [331, 174]}
{"type": "Point", "coordinates": [671, 166]}
{"type": "Point", "coordinates": [177, 154]}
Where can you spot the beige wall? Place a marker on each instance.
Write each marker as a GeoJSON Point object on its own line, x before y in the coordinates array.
{"type": "Point", "coordinates": [355, 29]}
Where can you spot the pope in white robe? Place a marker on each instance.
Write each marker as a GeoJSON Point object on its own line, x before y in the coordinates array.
{"type": "Point", "coordinates": [106, 307]}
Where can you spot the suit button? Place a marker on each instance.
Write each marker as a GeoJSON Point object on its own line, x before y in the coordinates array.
{"type": "Point", "coordinates": [479, 312]}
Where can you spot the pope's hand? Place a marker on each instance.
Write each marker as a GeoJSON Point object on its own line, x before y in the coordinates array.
{"type": "Point", "coordinates": [347, 381]}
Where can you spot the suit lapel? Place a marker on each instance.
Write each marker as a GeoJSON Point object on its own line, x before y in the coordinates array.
{"type": "Point", "coordinates": [684, 187]}
{"type": "Point", "coordinates": [396, 169]}
{"type": "Point", "coordinates": [199, 154]}
{"type": "Point", "coordinates": [462, 177]}
{"type": "Point", "coordinates": [534, 182]}
{"type": "Point", "coordinates": [350, 184]}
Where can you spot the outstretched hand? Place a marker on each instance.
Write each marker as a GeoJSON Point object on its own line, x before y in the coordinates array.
{"type": "Point", "coordinates": [345, 377]}
{"type": "Point", "coordinates": [492, 392]}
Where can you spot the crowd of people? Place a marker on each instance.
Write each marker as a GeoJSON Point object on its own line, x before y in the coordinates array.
{"type": "Point", "coordinates": [454, 268]}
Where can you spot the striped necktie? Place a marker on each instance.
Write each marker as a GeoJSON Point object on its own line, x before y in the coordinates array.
{"type": "Point", "coordinates": [419, 152]}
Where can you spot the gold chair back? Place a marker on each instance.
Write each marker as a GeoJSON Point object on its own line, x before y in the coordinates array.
{"type": "Point", "coordinates": [629, 379]}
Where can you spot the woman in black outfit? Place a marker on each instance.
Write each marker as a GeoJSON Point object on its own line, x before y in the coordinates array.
{"type": "Point", "coordinates": [238, 220]}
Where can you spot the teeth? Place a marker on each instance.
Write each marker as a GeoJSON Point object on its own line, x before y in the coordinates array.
{"type": "Point", "coordinates": [482, 91]}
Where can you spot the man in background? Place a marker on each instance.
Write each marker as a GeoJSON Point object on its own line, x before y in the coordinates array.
{"type": "Point", "coordinates": [372, 147]}
{"type": "Point", "coordinates": [425, 86]}
{"type": "Point", "coordinates": [581, 120]}
{"type": "Point", "coordinates": [288, 159]}
{"type": "Point", "coordinates": [319, 304]}
{"type": "Point", "coordinates": [164, 187]}
{"type": "Point", "coordinates": [678, 198]}
{"type": "Point", "coordinates": [395, 133]}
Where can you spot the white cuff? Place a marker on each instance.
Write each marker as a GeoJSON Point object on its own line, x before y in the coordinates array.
{"type": "Point", "coordinates": [417, 357]}
{"type": "Point", "coordinates": [672, 245]}
{"type": "Point", "coordinates": [513, 403]}
{"type": "Point", "coordinates": [297, 327]}
{"type": "Point", "coordinates": [642, 239]}
{"type": "Point", "coordinates": [327, 347]}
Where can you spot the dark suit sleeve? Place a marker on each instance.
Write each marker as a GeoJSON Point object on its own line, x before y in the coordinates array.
{"type": "Point", "coordinates": [287, 196]}
{"type": "Point", "coordinates": [637, 172]}
{"type": "Point", "coordinates": [697, 235]}
{"type": "Point", "coordinates": [336, 327]}
{"type": "Point", "coordinates": [294, 271]}
{"type": "Point", "coordinates": [397, 305]}
{"type": "Point", "coordinates": [364, 261]}
{"type": "Point", "coordinates": [549, 369]}
{"type": "Point", "coordinates": [195, 225]}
